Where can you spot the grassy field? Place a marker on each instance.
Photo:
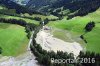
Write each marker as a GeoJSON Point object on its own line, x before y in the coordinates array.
{"type": "Point", "coordinates": [76, 27]}
{"type": "Point", "coordinates": [13, 40]}
{"type": "Point", "coordinates": [62, 34]}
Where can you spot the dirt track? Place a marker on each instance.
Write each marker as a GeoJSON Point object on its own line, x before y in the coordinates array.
{"type": "Point", "coordinates": [48, 42]}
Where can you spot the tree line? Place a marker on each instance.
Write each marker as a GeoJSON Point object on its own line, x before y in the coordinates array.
{"type": "Point", "coordinates": [28, 26]}
{"type": "Point", "coordinates": [88, 28]}
{"type": "Point", "coordinates": [44, 57]}
{"type": "Point", "coordinates": [13, 21]}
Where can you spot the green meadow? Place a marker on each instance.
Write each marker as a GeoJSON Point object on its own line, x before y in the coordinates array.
{"type": "Point", "coordinates": [76, 27]}
{"type": "Point", "coordinates": [14, 17]}
{"type": "Point", "coordinates": [13, 40]}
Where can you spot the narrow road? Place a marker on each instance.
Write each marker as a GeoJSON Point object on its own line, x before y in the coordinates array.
{"type": "Point", "coordinates": [30, 41]}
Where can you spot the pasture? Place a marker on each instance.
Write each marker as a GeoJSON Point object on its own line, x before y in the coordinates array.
{"type": "Point", "coordinates": [13, 40]}
{"type": "Point", "coordinates": [76, 27]}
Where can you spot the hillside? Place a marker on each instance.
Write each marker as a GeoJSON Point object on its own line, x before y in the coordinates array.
{"type": "Point", "coordinates": [39, 3]}
{"type": "Point", "coordinates": [40, 30]}
{"type": "Point", "coordinates": [77, 7]}
{"type": "Point", "coordinates": [76, 27]}
{"type": "Point", "coordinates": [21, 2]}
{"type": "Point", "coordinates": [13, 5]}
